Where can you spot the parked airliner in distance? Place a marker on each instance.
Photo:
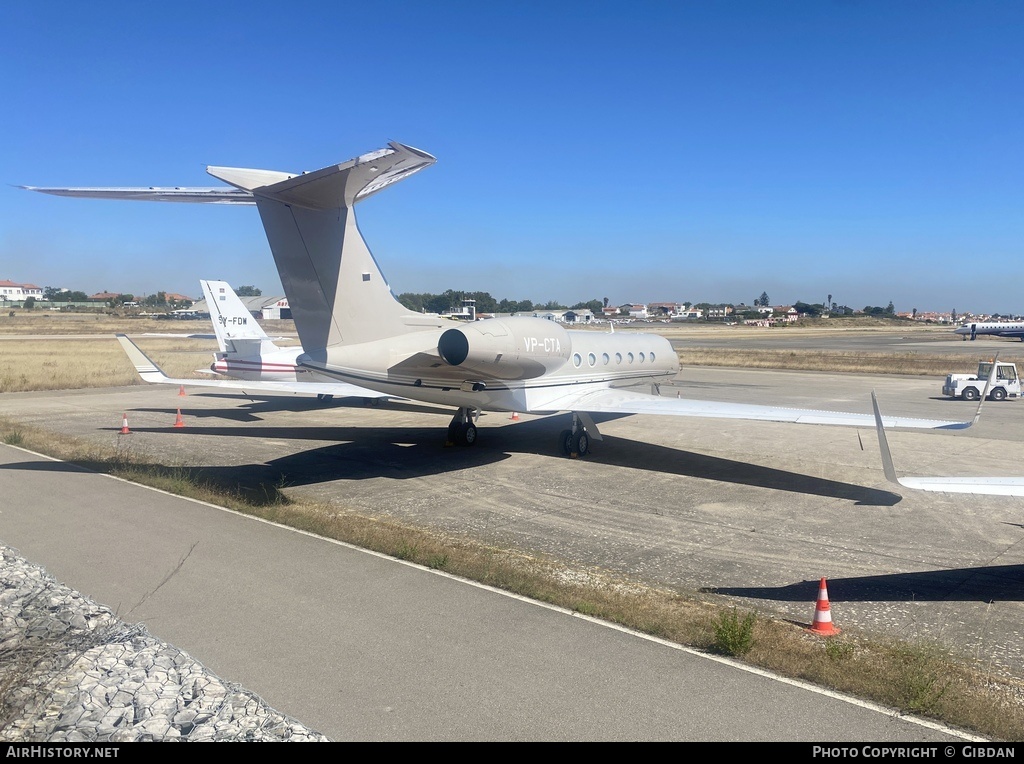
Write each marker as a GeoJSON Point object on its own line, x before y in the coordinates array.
{"type": "Point", "coordinates": [994, 328]}
{"type": "Point", "coordinates": [353, 329]}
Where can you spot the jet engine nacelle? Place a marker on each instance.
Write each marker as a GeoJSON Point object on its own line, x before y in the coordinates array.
{"type": "Point", "coordinates": [507, 348]}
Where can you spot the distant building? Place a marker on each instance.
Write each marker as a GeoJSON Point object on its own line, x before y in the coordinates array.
{"type": "Point", "coordinates": [578, 316]}
{"type": "Point", "coordinates": [638, 311]}
{"type": "Point", "coordinates": [261, 307]}
{"type": "Point", "coordinates": [665, 309]}
{"type": "Point", "coordinates": [10, 290]}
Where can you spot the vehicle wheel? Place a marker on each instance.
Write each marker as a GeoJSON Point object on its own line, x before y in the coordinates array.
{"type": "Point", "coordinates": [998, 394]}
{"type": "Point", "coordinates": [970, 394]}
{"type": "Point", "coordinates": [467, 434]}
{"type": "Point", "coordinates": [565, 441]}
{"type": "Point", "coordinates": [582, 443]}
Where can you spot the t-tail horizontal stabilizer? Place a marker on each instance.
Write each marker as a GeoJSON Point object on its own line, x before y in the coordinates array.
{"type": "Point", "coordinates": [984, 486]}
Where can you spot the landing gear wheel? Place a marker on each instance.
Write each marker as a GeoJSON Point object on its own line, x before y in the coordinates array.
{"type": "Point", "coordinates": [581, 441]}
{"type": "Point", "coordinates": [565, 441]}
{"type": "Point", "coordinates": [462, 434]}
{"type": "Point", "coordinates": [998, 394]}
{"type": "Point", "coordinates": [467, 434]}
{"type": "Point", "coordinates": [970, 394]}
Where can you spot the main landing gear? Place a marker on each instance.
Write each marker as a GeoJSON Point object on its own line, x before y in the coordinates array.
{"type": "Point", "coordinates": [575, 442]}
{"type": "Point", "coordinates": [462, 430]}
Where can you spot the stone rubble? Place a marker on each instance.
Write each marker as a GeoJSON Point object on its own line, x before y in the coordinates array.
{"type": "Point", "coordinates": [72, 672]}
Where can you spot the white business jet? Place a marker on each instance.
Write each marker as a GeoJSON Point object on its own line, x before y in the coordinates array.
{"type": "Point", "coordinates": [354, 331]}
{"type": "Point", "coordinates": [992, 328]}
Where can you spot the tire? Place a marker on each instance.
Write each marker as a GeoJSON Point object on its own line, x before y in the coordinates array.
{"type": "Point", "coordinates": [970, 394]}
{"type": "Point", "coordinates": [565, 441]}
{"type": "Point", "coordinates": [582, 442]}
{"type": "Point", "coordinates": [998, 394]}
{"type": "Point", "coordinates": [467, 434]}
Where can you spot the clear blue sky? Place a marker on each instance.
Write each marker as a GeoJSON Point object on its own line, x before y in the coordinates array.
{"type": "Point", "coordinates": [641, 151]}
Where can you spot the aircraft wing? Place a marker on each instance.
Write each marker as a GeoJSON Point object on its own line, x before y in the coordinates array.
{"type": "Point", "coordinates": [982, 486]}
{"type": "Point", "coordinates": [150, 372]}
{"type": "Point", "coordinates": [626, 401]}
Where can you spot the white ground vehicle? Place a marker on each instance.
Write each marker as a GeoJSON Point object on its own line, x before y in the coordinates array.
{"type": "Point", "coordinates": [1005, 384]}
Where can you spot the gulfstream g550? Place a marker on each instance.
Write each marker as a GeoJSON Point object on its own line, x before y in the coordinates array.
{"type": "Point", "coordinates": [353, 330]}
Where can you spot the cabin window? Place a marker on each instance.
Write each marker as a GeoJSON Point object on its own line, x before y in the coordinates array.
{"type": "Point", "coordinates": [642, 358]}
{"type": "Point", "coordinates": [652, 357]}
{"type": "Point", "coordinates": [629, 357]}
{"type": "Point", "coordinates": [604, 359]}
{"type": "Point", "coordinates": [591, 359]}
{"type": "Point", "coordinates": [618, 358]}
{"type": "Point", "coordinates": [577, 359]}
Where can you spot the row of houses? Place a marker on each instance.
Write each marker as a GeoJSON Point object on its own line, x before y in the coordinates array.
{"type": "Point", "coordinates": [12, 291]}
{"type": "Point", "coordinates": [277, 307]}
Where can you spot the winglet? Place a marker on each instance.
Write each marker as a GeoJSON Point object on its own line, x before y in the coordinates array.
{"type": "Point", "coordinates": [981, 486]}
{"type": "Point", "coordinates": [887, 464]}
{"type": "Point", "coordinates": [148, 370]}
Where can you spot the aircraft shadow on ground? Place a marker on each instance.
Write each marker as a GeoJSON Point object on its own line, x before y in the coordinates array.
{"type": "Point", "coordinates": [989, 583]}
{"type": "Point", "coordinates": [258, 405]}
{"type": "Point", "coordinates": [45, 466]}
{"type": "Point", "coordinates": [406, 452]}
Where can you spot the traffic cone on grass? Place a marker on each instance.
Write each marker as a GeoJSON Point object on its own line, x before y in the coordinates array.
{"type": "Point", "coordinates": [178, 422]}
{"type": "Point", "coordinates": [124, 425]}
{"type": "Point", "coordinates": [822, 614]}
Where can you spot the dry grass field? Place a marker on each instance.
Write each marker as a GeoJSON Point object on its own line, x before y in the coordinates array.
{"type": "Point", "coordinates": [70, 351]}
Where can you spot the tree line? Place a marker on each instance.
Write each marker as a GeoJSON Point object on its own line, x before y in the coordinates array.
{"type": "Point", "coordinates": [452, 300]}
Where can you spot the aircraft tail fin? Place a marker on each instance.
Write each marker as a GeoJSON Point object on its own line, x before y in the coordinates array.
{"type": "Point", "coordinates": [236, 329]}
{"type": "Point", "coordinates": [336, 291]}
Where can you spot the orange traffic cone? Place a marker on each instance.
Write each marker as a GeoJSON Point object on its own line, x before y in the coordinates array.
{"type": "Point", "coordinates": [181, 391]}
{"type": "Point", "coordinates": [515, 416]}
{"type": "Point", "coordinates": [124, 425]}
{"type": "Point", "coordinates": [178, 422]}
{"type": "Point", "coordinates": [822, 614]}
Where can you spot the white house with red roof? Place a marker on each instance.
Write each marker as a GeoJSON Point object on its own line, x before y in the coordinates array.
{"type": "Point", "coordinates": [10, 290]}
